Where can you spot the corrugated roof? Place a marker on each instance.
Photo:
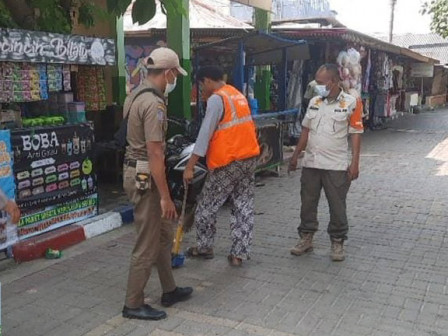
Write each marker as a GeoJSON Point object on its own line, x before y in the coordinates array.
{"type": "Point", "coordinates": [356, 37]}
{"type": "Point", "coordinates": [439, 53]}
{"type": "Point", "coordinates": [262, 48]}
{"type": "Point", "coordinates": [329, 21]}
{"type": "Point", "coordinates": [408, 40]}
{"type": "Point", "coordinates": [431, 45]}
{"type": "Point", "coordinates": [202, 16]}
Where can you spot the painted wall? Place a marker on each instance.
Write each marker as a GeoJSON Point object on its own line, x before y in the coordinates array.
{"type": "Point", "coordinates": [137, 49]}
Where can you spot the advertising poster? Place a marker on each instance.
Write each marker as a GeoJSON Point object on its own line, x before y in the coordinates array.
{"type": "Point", "coordinates": [54, 217]}
{"type": "Point", "coordinates": [271, 143]}
{"type": "Point", "coordinates": [8, 231]}
{"type": "Point", "coordinates": [56, 184]}
{"type": "Point", "coordinates": [53, 165]}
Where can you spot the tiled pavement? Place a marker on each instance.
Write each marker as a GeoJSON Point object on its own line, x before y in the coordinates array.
{"type": "Point", "coordinates": [394, 281]}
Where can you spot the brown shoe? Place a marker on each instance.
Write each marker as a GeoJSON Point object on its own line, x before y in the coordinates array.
{"type": "Point", "coordinates": [304, 245]}
{"type": "Point", "coordinates": [337, 250]}
{"type": "Point", "coordinates": [235, 261]}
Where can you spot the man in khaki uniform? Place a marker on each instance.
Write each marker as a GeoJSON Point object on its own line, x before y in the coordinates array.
{"type": "Point", "coordinates": [146, 186]}
{"type": "Point", "coordinates": [332, 117]}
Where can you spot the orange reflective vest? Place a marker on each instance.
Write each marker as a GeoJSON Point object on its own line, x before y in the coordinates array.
{"type": "Point", "coordinates": [235, 137]}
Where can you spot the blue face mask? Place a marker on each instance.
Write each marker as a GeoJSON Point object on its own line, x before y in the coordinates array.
{"type": "Point", "coordinates": [322, 90]}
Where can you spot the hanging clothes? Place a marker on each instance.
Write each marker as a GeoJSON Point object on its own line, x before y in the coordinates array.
{"type": "Point", "coordinates": [294, 97]}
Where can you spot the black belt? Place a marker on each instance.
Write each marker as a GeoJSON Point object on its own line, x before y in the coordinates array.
{"type": "Point", "coordinates": [130, 163]}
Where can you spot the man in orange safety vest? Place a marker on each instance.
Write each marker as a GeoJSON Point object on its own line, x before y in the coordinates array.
{"type": "Point", "coordinates": [228, 140]}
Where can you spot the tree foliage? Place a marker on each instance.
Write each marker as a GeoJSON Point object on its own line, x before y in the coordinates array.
{"type": "Point", "coordinates": [47, 15]}
{"type": "Point", "coordinates": [55, 15]}
{"type": "Point", "coordinates": [438, 10]}
{"type": "Point", "coordinates": [144, 10]}
{"type": "Point", "coordinates": [5, 17]}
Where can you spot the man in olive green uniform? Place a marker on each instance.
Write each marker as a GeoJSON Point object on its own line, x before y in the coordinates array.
{"type": "Point", "coordinates": [146, 186]}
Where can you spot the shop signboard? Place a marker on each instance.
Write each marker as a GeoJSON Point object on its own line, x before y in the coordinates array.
{"type": "Point", "coordinates": [53, 165]}
{"type": "Point", "coordinates": [8, 231]}
{"type": "Point", "coordinates": [56, 216]}
{"type": "Point", "coordinates": [271, 143]}
{"type": "Point", "coordinates": [422, 70]}
{"type": "Point", "coordinates": [54, 176]}
{"type": "Point", "coordinates": [18, 45]}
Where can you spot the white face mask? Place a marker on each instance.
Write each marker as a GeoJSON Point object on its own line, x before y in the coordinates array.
{"type": "Point", "coordinates": [170, 86]}
{"type": "Point", "coordinates": [322, 90]}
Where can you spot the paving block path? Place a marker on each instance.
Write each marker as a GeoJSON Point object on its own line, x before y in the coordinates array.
{"type": "Point", "coordinates": [394, 281]}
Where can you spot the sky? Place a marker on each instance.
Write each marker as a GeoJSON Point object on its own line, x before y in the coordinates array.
{"type": "Point", "coordinates": [373, 16]}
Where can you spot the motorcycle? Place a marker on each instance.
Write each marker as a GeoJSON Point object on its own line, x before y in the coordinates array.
{"type": "Point", "coordinates": [179, 149]}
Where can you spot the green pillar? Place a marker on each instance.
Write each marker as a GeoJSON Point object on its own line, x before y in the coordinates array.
{"type": "Point", "coordinates": [119, 87]}
{"type": "Point", "coordinates": [178, 38]}
{"type": "Point", "coordinates": [262, 22]}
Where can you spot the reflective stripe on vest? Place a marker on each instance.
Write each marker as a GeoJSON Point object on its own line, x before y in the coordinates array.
{"type": "Point", "coordinates": [235, 120]}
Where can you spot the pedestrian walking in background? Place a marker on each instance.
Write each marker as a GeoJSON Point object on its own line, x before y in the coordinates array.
{"type": "Point", "coordinates": [331, 118]}
{"type": "Point", "coordinates": [228, 139]}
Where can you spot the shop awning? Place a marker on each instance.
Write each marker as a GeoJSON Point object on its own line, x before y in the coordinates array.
{"type": "Point", "coordinates": [261, 48]}
{"type": "Point", "coordinates": [353, 36]}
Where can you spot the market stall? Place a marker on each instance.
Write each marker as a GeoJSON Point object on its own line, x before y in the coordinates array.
{"type": "Point", "coordinates": [240, 57]}
{"type": "Point", "coordinates": [379, 73]}
{"type": "Point", "coordinates": [47, 84]}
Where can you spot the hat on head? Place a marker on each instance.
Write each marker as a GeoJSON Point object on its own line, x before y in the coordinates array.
{"type": "Point", "coordinates": [165, 58]}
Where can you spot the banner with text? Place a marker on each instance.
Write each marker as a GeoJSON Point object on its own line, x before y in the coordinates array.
{"type": "Point", "coordinates": [53, 165]}
{"type": "Point", "coordinates": [57, 216]}
{"type": "Point", "coordinates": [18, 45]}
{"type": "Point", "coordinates": [8, 231]}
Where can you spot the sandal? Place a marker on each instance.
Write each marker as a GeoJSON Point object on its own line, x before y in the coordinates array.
{"type": "Point", "coordinates": [193, 252]}
{"type": "Point", "coordinates": [234, 261]}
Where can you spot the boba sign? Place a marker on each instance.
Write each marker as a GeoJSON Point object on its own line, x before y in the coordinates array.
{"type": "Point", "coordinates": [55, 177]}
{"type": "Point", "coordinates": [53, 165]}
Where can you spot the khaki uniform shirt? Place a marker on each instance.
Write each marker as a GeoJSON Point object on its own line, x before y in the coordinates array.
{"type": "Point", "coordinates": [330, 123]}
{"type": "Point", "coordinates": [147, 121]}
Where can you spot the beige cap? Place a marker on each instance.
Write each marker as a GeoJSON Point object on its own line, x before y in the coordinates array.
{"type": "Point", "coordinates": [165, 58]}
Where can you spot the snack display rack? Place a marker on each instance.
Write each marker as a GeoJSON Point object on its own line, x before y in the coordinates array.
{"type": "Point", "coordinates": [47, 83]}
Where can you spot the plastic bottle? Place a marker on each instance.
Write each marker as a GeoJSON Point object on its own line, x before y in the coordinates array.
{"type": "Point", "coordinates": [84, 184]}
{"type": "Point", "coordinates": [69, 147]}
{"type": "Point", "coordinates": [83, 146]}
{"type": "Point", "coordinates": [64, 147]}
{"type": "Point", "coordinates": [75, 144]}
{"type": "Point", "coordinates": [90, 182]}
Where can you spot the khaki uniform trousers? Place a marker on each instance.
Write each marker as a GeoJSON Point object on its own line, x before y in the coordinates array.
{"type": "Point", "coordinates": [154, 241]}
{"type": "Point", "coordinates": [336, 185]}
